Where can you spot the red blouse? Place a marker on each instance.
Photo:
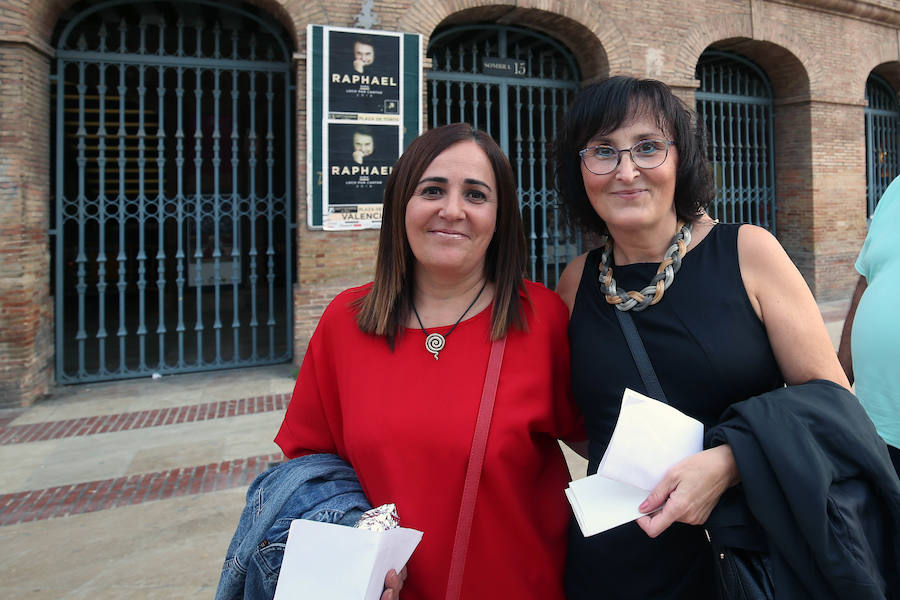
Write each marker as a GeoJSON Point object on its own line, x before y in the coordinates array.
{"type": "Point", "coordinates": [405, 422]}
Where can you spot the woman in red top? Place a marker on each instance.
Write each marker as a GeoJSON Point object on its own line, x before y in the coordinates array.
{"type": "Point", "coordinates": [450, 262]}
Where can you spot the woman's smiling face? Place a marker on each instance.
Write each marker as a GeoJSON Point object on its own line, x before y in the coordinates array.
{"type": "Point", "coordinates": [630, 197]}
{"type": "Point", "coordinates": [451, 216]}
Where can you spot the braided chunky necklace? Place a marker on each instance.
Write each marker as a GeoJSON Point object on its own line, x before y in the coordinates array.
{"type": "Point", "coordinates": [434, 342]}
{"type": "Point", "coordinates": [654, 291]}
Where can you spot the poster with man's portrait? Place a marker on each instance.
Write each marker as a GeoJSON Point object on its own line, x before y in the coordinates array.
{"type": "Point", "coordinates": [364, 105]}
{"type": "Point", "coordinates": [359, 161]}
{"type": "Point", "coordinates": [363, 75]}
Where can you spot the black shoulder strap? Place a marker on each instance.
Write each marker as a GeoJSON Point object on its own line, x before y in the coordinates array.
{"type": "Point", "coordinates": [645, 367]}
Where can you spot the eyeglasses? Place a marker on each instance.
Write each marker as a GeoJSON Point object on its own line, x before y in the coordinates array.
{"type": "Point", "coordinates": [646, 154]}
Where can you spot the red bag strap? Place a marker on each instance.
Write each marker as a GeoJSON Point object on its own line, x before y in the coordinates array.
{"type": "Point", "coordinates": [473, 471]}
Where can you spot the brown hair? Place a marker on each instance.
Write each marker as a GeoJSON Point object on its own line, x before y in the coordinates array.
{"type": "Point", "coordinates": [385, 309]}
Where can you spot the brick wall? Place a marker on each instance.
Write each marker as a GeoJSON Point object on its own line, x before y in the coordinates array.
{"type": "Point", "coordinates": [817, 54]}
{"type": "Point", "coordinates": [793, 184]}
{"type": "Point", "coordinates": [25, 305]}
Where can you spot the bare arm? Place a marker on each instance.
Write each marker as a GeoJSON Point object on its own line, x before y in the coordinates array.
{"type": "Point", "coordinates": [786, 307]}
{"type": "Point", "coordinates": [844, 354]}
{"type": "Point", "coordinates": [803, 349]}
{"type": "Point", "coordinates": [567, 286]}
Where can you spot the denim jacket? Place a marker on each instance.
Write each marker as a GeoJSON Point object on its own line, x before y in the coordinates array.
{"type": "Point", "coordinates": [318, 487]}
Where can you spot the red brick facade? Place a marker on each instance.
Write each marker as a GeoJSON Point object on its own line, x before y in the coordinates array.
{"type": "Point", "coordinates": [816, 53]}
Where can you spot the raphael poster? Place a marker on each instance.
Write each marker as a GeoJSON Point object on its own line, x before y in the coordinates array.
{"type": "Point", "coordinates": [363, 108]}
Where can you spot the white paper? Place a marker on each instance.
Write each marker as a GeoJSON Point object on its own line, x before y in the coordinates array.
{"type": "Point", "coordinates": [324, 560]}
{"type": "Point", "coordinates": [650, 436]}
{"type": "Point", "coordinates": [600, 503]}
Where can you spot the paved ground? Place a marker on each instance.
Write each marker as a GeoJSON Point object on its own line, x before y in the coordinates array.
{"type": "Point", "coordinates": [132, 489]}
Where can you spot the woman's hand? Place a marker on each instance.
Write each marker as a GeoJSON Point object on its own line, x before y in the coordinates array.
{"type": "Point", "coordinates": [394, 583]}
{"type": "Point", "coordinates": [690, 490]}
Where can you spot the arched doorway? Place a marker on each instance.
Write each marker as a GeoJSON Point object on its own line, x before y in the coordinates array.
{"type": "Point", "coordinates": [735, 100]}
{"type": "Point", "coordinates": [514, 84]}
{"type": "Point", "coordinates": [173, 190]}
{"type": "Point", "coordinates": [882, 139]}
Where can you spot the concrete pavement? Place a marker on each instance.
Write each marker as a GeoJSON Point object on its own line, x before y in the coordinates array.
{"type": "Point", "coordinates": [132, 489]}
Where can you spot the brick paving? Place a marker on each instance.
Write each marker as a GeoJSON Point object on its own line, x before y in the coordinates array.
{"type": "Point", "coordinates": [66, 428]}
{"type": "Point", "coordinates": [92, 496]}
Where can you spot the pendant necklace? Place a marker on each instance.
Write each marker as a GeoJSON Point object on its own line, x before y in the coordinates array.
{"type": "Point", "coordinates": [434, 342]}
{"type": "Point", "coordinates": [653, 292]}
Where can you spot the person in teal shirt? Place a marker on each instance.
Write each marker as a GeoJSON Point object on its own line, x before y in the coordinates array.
{"type": "Point", "coordinates": [870, 340]}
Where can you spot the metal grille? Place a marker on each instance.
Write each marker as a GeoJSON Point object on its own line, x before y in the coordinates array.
{"type": "Point", "coordinates": [514, 84]}
{"type": "Point", "coordinates": [882, 139]}
{"type": "Point", "coordinates": [173, 188]}
{"type": "Point", "coordinates": [735, 102]}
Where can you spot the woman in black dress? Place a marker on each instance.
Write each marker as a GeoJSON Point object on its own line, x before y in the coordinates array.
{"type": "Point", "coordinates": [721, 309]}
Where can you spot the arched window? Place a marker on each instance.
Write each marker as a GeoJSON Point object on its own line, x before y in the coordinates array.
{"type": "Point", "coordinates": [882, 139]}
{"type": "Point", "coordinates": [514, 84]}
{"type": "Point", "coordinates": [172, 182]}
{"type": "Point", "coordinates": [735, 102]}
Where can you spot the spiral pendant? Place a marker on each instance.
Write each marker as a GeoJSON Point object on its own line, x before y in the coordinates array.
{"type": "Point", "coordinates": [434, 343]}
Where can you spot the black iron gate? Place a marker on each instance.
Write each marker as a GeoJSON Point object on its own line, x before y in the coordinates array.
{"type": "Point", "coordinates": [882, 139]}
{"type": "Point", "coordinates": [173, 179]}
{"type": "Point", "coordinates": [735, 100]}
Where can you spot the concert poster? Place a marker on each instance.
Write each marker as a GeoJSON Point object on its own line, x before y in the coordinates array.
{"type": "Point", "coordinates": [360, 159]}
{"type": "Point", "coordinates": [363, 75]}
{"type": "Point", "coordinates": [364, 106]}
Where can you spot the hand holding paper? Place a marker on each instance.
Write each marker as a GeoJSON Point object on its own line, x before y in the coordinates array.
{"type": "Point", "coordinates": [649, 438]}
{"type": "Point", "coordinates": [690, 490]}
{"type": "Point", "coordinates": [323, 560]}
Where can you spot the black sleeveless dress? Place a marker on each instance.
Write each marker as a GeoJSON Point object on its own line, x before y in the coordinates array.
{"type": "Point", "coordinates": [709, 350]}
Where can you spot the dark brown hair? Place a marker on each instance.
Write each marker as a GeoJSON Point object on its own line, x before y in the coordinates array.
{"type": "Point", "coordinates": [385, 309]}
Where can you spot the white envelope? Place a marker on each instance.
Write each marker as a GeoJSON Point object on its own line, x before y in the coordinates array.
{"type": "Point", "coordinates": [599, 503]}
{"type": "Point", "coordinates": [324, 560]}
{"type": "Point", "coordinates": [650, 437]}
